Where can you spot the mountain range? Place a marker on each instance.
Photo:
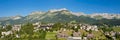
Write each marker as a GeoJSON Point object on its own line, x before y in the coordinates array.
{"type": "Point", "coordinates": [65, 16]}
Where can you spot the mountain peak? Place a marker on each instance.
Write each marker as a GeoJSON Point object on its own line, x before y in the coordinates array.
{"type": "Point", "coordinates": [36, 12]}
{"type": "Point", "coordinates": [16, 17]}
{"type": "Point", "coordinates": [105, 15]}
{"type": "Point", "coordinates": [79, 13]}
{"type": "Point", "coordinates": [54, 10]}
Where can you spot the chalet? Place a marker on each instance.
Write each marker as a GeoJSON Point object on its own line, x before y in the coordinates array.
{"type": "Point", "coordinates": [16, 27]}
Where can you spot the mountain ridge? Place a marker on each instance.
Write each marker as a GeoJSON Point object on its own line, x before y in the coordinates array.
{"type": "Point", "coordinates": [62, 15]}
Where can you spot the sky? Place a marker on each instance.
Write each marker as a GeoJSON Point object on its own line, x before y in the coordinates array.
{"type": "Point", "coordinates": [25, 7]}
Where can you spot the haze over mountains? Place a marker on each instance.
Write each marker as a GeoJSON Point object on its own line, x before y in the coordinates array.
{"type": "Point", "coordinates": [63, 15]}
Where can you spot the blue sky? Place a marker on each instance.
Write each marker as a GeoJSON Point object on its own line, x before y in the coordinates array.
{"type": "Point", "coordinates": [25, 7]}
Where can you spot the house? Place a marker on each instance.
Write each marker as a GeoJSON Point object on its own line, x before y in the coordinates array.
{"type": "Point", "coordinates": [90, 36]}
{"type": "Point", "coordinates": [16, 27]}
{"type": "Point", "coordinates": [6, 33]}
{"type": "Point", "coordinates": [46, 26]}
{"type": "Point", "coordinates": [17, 36]}
{"type": "Point", "coordinates": [84, 38]}
{"type": "Point", "coordinates": [113, 33]}
{"type": "Point", "coordinates": [76, 34]}
{"type": "Point", "coordinates": [37, 23]}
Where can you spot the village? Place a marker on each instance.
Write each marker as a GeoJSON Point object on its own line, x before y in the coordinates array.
{"type": "Point", "coordinates": [59, 31]}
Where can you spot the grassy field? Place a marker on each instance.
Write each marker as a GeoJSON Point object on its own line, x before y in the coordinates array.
{"type": "Point", "coordinates": [117, 29]}
{"type": "Point", "coordinates": [51, 35]}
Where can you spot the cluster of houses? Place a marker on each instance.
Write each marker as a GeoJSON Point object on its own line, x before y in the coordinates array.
{"type": "Point", "coordinates": [112, 34]}
{"type": "Point", "coordinates": [14, 29]}
{"type": "Point", "coordinates": [75, 35]}
{"type": "Point", "coordinates": [38, 26]}
{"type": "Point", "coordinates": [85, 27]}
{"type": "Point", "coordinates": [88, 27]}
